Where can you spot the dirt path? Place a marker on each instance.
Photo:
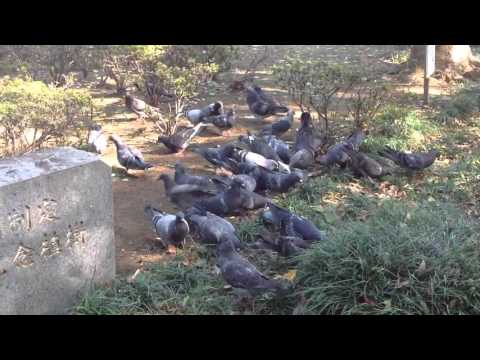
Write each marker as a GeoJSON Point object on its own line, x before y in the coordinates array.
{"type": "Point", "coordinates": [134, 236]}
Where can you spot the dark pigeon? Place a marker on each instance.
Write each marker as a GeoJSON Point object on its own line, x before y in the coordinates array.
{"type": "Point", "coordinates": [363, 165]}
{"type": "Point", "coordinates": [220, 156]}
{"type": "Point", "coordinates": [300, 227]}
{"type": "Point", "coordinates": [234, 201]}
{"type": "Point", "coordinates": [224, 122]}
{"type": "Point", "coordinates": [210, 228]}
{"type": "Point", "coordinates": [184, 196]}
{"type": "Point", "coordinates": [182, 178]}
{"type": "Point", "coordinates": [279, 127]}
{"type": "Point", "coordinates": [281, 148]}
{"type": "Point", "coordinates": [224, 182]}
{"type": "Point", "coordinates": [240, 273]}
{"type": "Point", "coordinates": [262, 105]}
{"type": "Point", "coordinates": [129, 157]}
{"type": "Point", "coordinates": [307, 137]}
{"type": "Point", "coordinates": [274, 181]}
{"type": "Point", "coordinates": [413, 161]}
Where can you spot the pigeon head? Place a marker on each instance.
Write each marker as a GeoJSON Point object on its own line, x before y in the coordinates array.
{"type": "Point", "coordinates": [96, 127]}
{"type": "Point", "coordinates": [180, 217]}
{"type": "Point", "coordinates": [162, 139]}
{"type": "Point", "coordinates": [115, 139]}
{"type": "Point", "coordinates": [238, 183]}
{"type": "Point", "coordinates": [257, 88]}
{"type": "Point", "coordinates": [435, 153]}
{"type": "Point", "coordinates": [179, 168]}
{"type": "Point", "coordinates": [217, 106]}
{"type": "Point", "coordinates": [306, 119]}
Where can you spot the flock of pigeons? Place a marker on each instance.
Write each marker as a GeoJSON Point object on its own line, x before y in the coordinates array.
{"type": "Point", "coordinates": [257, 165]}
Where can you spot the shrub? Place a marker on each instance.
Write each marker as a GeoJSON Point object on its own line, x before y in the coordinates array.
{"type": "Point", "coordinates": [404, 259]}
{"type": "Point", "coordinates": [33, 114]}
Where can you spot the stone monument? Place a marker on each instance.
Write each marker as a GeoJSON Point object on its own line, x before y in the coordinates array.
{"type": "Point", "coordinates": [56, 230]}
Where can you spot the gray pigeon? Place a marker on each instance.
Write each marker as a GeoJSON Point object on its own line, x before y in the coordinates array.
{"type": "Point", "coordinates": [300, 227]}
{"type": "Point", "coordinates": [210, 227]}
{"type": "Point", "coordinates": [178, 142]}
{"type": "Point", "coordinates": [172, 229]}
{"type": "Point", "coordinates": [182, 178]}
{"type": "Point", "coordinates": [196, 116]}
{"type": "Point", "coordinates": [279, 127]}
{"type": "Point", "coordinates": [234, 201]}
{"type": "Point", "coordinates": [260, 146]}
{"type": "Point", "coordinates": [302, 159]}
{"type": "Point", "coordinates": [240, 155]}
{"type": "Point", "coordinates": [135, 105]}
{"type": "Point", "coordinates": [281, 148]}
{"type": "Point", "coordinates": [129, 157]}
{"type": "Point", "coordinates": [97, 142]}
{"type": "Point", "coordinates": [275, 181]}
{"type": "Point", "coordinates": [224, 182]}
{"type": "Point", "coordinates": [239, 273]}
{"type": "Point", "coordinates": [364, 165]}
{"type": "Point", "coordinates": [220, 156]}
{"type": "Point", "coordinates": [413, 161]}
{"type": "Point", "coordinates": [184, 196]}
{"type": "Point", "coordinates": [336, 153]}
{"type": "Point", "coordinates": [224, 122]}
{"type": "Point", "coordinates": [307, 137]}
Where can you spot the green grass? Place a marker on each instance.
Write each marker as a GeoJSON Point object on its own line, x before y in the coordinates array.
{"type": "Point", "coordinates": [376, 267]}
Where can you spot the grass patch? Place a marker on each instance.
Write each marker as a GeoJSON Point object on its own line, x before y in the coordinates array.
{"type": "Point", "coordinates": [405, 259]}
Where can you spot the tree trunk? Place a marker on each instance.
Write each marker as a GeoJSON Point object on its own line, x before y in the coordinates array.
{"type": "Point", "coordinates": [452, 62]}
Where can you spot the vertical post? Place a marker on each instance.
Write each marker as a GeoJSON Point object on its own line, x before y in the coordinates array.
{"type": "Point", "coordinates": [429, 70]}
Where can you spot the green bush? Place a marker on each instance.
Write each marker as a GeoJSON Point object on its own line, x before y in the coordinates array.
{"type": "Point", "coordinates": [404, 259]}
{"type": "Point", "coordinates": [33, 114]}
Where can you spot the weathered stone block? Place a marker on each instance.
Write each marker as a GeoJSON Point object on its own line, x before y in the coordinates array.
{"type": "Point", "coordinates": [56, 230]}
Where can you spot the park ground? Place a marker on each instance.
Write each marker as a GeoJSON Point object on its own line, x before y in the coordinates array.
{"type": "Point", "coordinates": [136, 248]}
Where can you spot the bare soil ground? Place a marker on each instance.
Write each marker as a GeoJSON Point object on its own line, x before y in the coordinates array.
{"type": "Point", "coordinates": [135, 240]}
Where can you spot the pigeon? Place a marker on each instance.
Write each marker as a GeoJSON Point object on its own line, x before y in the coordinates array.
{"type": "Point", "coordinates": [356, 139]}
{"type": "Point", "coordinates": [178, 142]}
{"type": "Point", "coordinates": [220, 156]}
{"type": "Point", "coordinates": [300, 226]}
{"type": "Point", "coordinates": [262, 105]}
{"type": "Point", "coordinates": [210, 227]}
{"type": "Point", "coordinates": [184, 196]}
{"type": "Point", "coordinates": [224, 122]}
{"type": "Point", "coordinates": [307, 137]}
{"type": "Point", "coordinates": [279, 127]}
{"type": "Point", "coordinates": [129, 157]}
{"type": "Point", "coordinates": [224, 182]}
{"type": "Point", "coordinates": [135, 105]}
{"type": "Point", "coordinates": [240, 155]}
{"type": "Point", "coordinates": [97, 142]}
{"type": "Point", "coordinates": [172, 229]}
{"type": "Point", "coordinates": [274, 181]}
{"type": "Point", "coordinates": [302, 159]}
{"type": "Point", "coordinates": [182, 178]}
{"type": "Point", "coordinates": [260, 146]}
{"type": "Point", "coordinates": [336, 153]}
{"type": "Point", "coordinates": [196, 116]}
{"type": "Point", "coordinates": [281, 148]}
{"type": "Point", "coordinates": [234, 201]}
{"type": "Point", "coordinates": [240, 273]}
{"type": "Point", "coordinates": [363, 165]}
{"type": "Point", "coordinates": [413, 161]}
